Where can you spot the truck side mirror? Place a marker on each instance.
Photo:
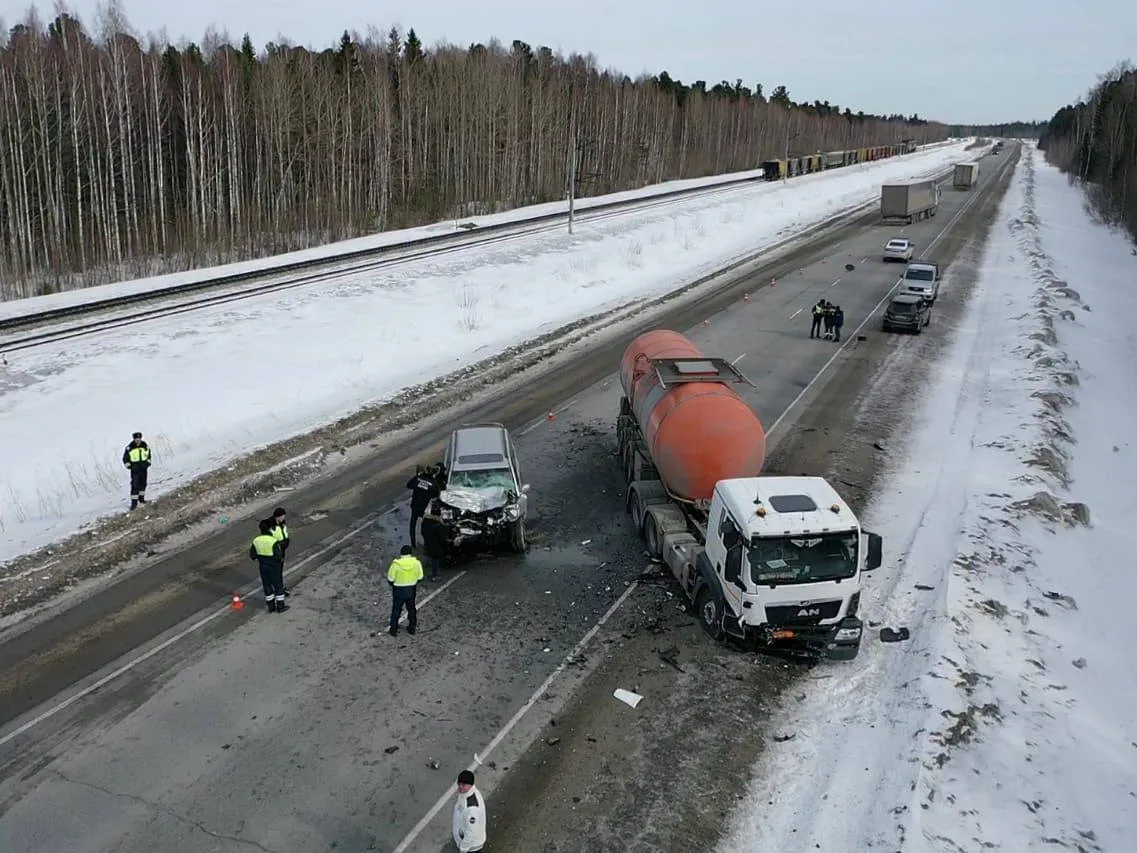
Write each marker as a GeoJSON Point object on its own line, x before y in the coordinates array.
{"type": "Point", "coordinates": [730, 535]}
{"type": "Point", "coordinates": [525, 489]}
{"type": "Point", "coordinates": [873, 557]}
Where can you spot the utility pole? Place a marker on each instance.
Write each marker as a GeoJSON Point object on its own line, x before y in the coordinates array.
{"type": "Point", "coordinates": [789, 137]}
{"type": "Point", "coordinates": [572, 181]}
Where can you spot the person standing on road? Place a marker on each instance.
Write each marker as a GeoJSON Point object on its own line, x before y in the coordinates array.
{"type": "Point", "coordinates": [433, 539]}
{"type": "Point", "coordinates": [137, 458]}
{"type": "Point", "coordinates": [425, 488]}
{"type": "Point", "coordinates": [838, 322]}
{"type": "Point", "coordinates": [818, 314]}
{"type": "Point", "coordinates": [278, 525]}
{"type": "Point", "coordinates": [468, 825]}
{"type": "Point", "coordinates": [269, 554]}
{"type": "Point", "coordinates": [828, 317]}
{"type": "Point", "coordinates": [404, 575]}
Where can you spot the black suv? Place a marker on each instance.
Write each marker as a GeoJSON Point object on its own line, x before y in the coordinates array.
{"type": "Point", "coordinates": [907, 311]}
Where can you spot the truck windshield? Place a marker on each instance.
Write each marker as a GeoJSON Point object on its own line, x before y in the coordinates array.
{"type": "Point", "coordinates": [918, 275]}
{"type": "Point", "coordinates": [831, 556]}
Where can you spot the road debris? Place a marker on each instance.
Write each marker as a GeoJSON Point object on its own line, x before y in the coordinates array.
{"type": "Point", "coordinates": [627, 697]}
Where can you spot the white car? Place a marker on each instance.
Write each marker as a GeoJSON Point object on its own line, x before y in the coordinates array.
{"type": "Point", "coordinates": [899, 249]}
{"type": "Point", "coordinates": [921, 278]}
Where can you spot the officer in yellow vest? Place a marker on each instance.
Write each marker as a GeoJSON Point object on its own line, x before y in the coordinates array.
{"type": "Point", "coordinates": [136, 458]}
{"type": "Point", "coordinates": [279, 529]}
{"type": "Point", "coordinates": [266, 550]}
{"type": "Point", "coordinates": [404, 575]}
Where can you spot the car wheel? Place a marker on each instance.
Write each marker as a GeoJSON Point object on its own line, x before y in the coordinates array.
{"type": "Point", "coordinates": [517, 536]}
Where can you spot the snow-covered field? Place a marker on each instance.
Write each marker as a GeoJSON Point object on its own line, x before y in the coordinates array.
{"type": "Point", "coordinates": [24, 307]}
{"type": "Point", "coordinates": [213, 385]}
{"type": "Point", "coordinates": [1009, 720]}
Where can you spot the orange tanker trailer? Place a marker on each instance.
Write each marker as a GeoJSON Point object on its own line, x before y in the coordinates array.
{"type": "Point", "coordinates": [697, 429]}
{"type": "Point", "coordinates": [770, 561]}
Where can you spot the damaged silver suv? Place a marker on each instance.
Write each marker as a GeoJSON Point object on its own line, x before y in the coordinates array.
{"type": "Point", "coordinates": [483, 503]}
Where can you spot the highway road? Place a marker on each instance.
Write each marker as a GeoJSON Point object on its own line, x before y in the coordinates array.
{"type": "Point", "coordinates": [151, 719]}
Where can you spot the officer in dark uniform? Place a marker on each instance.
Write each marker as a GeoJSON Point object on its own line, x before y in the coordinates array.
{"type": "Point", "coordinates": [838, 322]}
{"type": "Point", "coordinates": [279, 529]}
{"type": "Point", "coordinates": [269, 554]}
{"type": "Point", "coordinates": [137, 459]}
{"type": "Point", "coordinates": [433, 539]}
{"type": "Point", "coordinates": [425, 488]}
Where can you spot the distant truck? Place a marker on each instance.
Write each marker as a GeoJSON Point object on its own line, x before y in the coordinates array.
{"type": "Point", "coordinates": [772, 562]}
{"type": "Point", "coordinates": [909, 202]}
{"type": "Point", "coordinates": [966, 176]}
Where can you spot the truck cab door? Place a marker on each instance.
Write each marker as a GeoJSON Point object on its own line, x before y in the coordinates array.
{"type": "Point", "coordinates": [731, 569]}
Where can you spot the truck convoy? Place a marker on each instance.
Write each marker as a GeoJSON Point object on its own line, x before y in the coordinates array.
{"type": "Point", "coordinates": [774, 562]}
{"type": "Point", "coordinates": [965, 176]}
{"type": "Point", "coordinates": [909, 202]}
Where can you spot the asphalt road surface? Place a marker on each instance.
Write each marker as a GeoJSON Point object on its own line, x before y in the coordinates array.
{"type": "Point", "coordinates": [313, 730]}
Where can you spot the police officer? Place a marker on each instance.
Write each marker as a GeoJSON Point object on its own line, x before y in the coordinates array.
{"type": "Point", "coordinates": [279, 529]}
{"type": "Point", "coordinates": [828, 317]}
{"type": "Point", "coordinates": [267, 551]}
{"type": "Point", "coordinates": [403, 575]}
{"type": "Point", "coordinates": [818, 313]}
{"type": "Point", "coordinates": [468, 824]}
{"type": "Point", "coordinates": [433, 539]}
{"type": "Point", "coordinates": [425, 488]}
{"type": "Point", "coordinates": [137, 458]}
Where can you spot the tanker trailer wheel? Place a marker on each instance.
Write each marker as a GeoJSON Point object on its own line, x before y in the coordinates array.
{"type": "Point", "coordinates": [652, 537]}
{"type": "Point", "coordinates": [708, 610]}
{"type": "Point", "coordinates": [636, 506]}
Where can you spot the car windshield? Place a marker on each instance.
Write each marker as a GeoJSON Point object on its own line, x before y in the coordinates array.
{"type": "Point", "coordinates": [897, 244]}
{"type": "Point", "coordinates": [793, 560]}
{"type": "Point", "coordinates": [492, 478]}
{"type": "Point", "coordinates": [918, 275]}
{"type": "Point", "coordinates": [902, 307]}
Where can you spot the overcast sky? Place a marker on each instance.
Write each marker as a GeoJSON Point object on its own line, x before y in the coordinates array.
{"type": "Point", "coordinates": [953, 60]}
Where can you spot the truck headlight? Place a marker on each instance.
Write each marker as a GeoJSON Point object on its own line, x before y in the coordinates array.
{"type": "Point", "coordinates": [844, 635]}
{"type": "Point", "coordinates": [512, 512]}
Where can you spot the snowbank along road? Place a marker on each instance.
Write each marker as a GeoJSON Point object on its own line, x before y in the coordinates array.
{"type": "Point", "coordinates": [305, 731]}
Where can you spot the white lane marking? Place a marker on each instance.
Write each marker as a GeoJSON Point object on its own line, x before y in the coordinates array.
{"type": "Point", "coordinates": [479, 757]}
{"type": "Point", "coordinates": [834, 284]}
{"type": "Point", "coordinates": [798, 311]}
{"type": "Point", "coordinates": [864, 260]}
{"type": "Point", "coordinates": [950, 224]}
{"type": "Point", "coordinates": [737, 360]}
{"type": "Point", "coordinates": [197, 626]}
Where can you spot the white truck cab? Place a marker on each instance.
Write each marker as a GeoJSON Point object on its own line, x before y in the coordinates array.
{"type": "Point", "coordinates": [787, 555]}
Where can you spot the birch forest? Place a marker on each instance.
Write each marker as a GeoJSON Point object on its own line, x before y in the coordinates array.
{"type": "Point", "coordinates": [124, 156]}
{"type": "Point", "coordinates": [1095, 142]}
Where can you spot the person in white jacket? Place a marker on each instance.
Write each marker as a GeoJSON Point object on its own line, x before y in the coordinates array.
{"type": "Point", "coordinates": [469, 824]}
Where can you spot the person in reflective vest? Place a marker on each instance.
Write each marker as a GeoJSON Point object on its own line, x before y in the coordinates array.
{"type": "Point", "coordinates": [267, 551]}
{"type": "Point", "coordinates": [818, 314]}
{"type": "Point", "coordinates": [137, 459]}
{"type": "Point", "coordinates": [404, 575]}
{"type": "Point", "coordinates": [279, 530]}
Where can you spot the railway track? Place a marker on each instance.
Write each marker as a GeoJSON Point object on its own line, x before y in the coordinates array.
{"type": "Point", "coordinates": [167, 304]}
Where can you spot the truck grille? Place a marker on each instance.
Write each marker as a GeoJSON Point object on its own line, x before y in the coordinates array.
{"type": "Point", "coordinates": [803, 614]}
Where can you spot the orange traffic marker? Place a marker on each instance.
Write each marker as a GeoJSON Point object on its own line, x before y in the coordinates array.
{"type": "Point", "coordinates": [237, 604]}
{"type": "Point", "coordinates": [773, 282]}
{"type": "Point", "coordinates": [706, 323]}
{"type": "Point", "coordinates": [552, 416]}
{"type": "Point", "coordinates": [746, 297]}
